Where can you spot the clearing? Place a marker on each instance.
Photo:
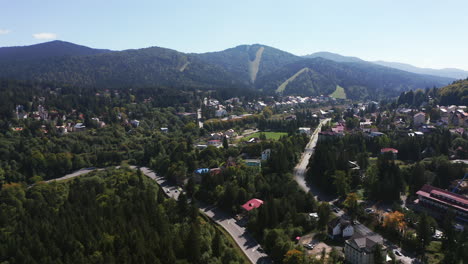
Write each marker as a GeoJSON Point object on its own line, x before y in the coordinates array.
{"type": "Point", "coordinates": [285, 83]}
{"type": "Point", "coordinates": [339, 93]}
{"type": "Point", "coordinates": [268, 135]}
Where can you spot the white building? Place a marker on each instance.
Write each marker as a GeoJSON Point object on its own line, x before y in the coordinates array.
{"type": "Point", "coordinates": [305, 130]}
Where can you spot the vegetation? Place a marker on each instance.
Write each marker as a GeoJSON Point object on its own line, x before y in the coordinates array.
{"type": "Point", "coordinates": [454, 94]}
{"type": "Point", "coordinates": [131, 220]}
{"type": "Point", "coordinates": [266, 135]}
{"type": "Point", "coordinates": [339, 93]}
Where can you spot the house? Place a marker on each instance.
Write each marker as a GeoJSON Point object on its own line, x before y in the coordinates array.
{"type": "Point", "coordinates": [266, 154]}
{"type": "Point", "coordinates": [198, 174]}
{"type": "Point", "coordinates": [164, 129]}
{"type": "Point", "coordinates": [392, 150]}
{"type": "Point", "coordinates": [79, 127]}
{"type": "Point", "coordinates": [376, 134]}
{"type": "Point", "coordinates": [215, 143]}
{"type": "Point", "coordinates": [305, 130]}
{"type": "Point", "coordinates": [252, 204]}
{"type": "Point", "coordinates": [459, 186]}
{"type": "Point", "coordinates": [135, 123]}
{"type": "Point", "coordinates": [440, 201]}
{"type": "Point", "coordinates": [360, 249]}
{"type": "Point", "coordinates": [220, 113]}
{"type": "Point", "coordinates": [340, 228]}
{"type": "Point", "coordinates": [419, 119]}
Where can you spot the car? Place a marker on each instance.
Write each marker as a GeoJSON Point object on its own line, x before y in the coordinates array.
{"type": "Point", "coordinates": [336, 210]}
{"type": "Point", "coordinates": [398, 253]}
{"type": "Point", "coordinates": [388, 210]}
{"type": "Point", "coordinates": [309, 246]}
{"type": "Point", "coordinates": [369, 210]}
{"type": "Point", "coordinates": [168, 191]}
{"type": "Point", "coordinates": [260, 249]}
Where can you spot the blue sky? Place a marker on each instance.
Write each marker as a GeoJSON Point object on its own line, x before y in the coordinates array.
{"type": "Point", "coordinates": [428, 33]}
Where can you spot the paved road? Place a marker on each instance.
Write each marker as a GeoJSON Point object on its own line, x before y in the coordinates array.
{"type": "Point", "coordinates": [199, 116]}
{"type": "Point", "coordinates": [75, 174]}
{"type": "Point", "coordinates": [301, 168]}
{"type": "Point", "coordinates": [245, 241]}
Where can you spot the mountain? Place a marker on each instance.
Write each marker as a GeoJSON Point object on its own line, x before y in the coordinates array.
{"type": "Point", "coordinates": [247, 66]}
{"type": "Point", "coordinates": [360, 80]}
{"type": "Point", "coordinates": [455, 93]}
{"type": "Point", "coordinates": [333, 56]}
{"type": "Point", "coordinates": [447, 72]}
{"type": "Point", "coordinates": [50, 49]}
{"type": "Point", "coordinates": [143, 67]}
{"type": "Point", "coordinates": [249, 62]}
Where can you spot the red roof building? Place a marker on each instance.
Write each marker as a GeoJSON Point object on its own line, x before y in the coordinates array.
{"type": "Point", "coordinates": [251, 204]}
{"type": "Point", "coordinates": [442, 201]}
{"type": "Point", "coordinates": [384, 150]}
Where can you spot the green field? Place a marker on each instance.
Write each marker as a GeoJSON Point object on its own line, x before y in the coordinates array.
{"type": "Point", "coordinates": [268, 135]}
{"type": "Point", "coordinates": [339, 93]}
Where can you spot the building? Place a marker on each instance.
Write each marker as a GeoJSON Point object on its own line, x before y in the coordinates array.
{"type": "Point", "coordinates": [252, 204]}
{"type": "Point", "coordinates": [305, 130]}
{"type": "Point", "coordinates": [340, 228]}
{"type": "Point", "coordinates": [266, 154]}
{"type": "Point", "coordinates": [135, 123]}
{"type": "Point", "coordinates": [198, 174]}
{"type": "Point", "coordinates": [361, 249]}
{"type": "Point", "coordinates": [253, 163]}
{"type": "Point", "coordinates": [220, 113]}
{"type": "Point", "coordinates": [419, 119]}
{"type": "Point", "coordinates": [164, 129]}
{"type": "Point", "coordinates": [440, 201]}
{"type": "Point", "coordinates": [214, 142]}
{"type": "Point", "coordinates": [392, 150]}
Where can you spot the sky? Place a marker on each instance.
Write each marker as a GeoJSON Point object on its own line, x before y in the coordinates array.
{"type": "Point", "coordinates": [429, 33]}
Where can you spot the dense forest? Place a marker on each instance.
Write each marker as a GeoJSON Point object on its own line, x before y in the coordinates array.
{"type": "Point", "coordinates": [111, 216]}
{"type": "Point", "coordinates": [236, 68]}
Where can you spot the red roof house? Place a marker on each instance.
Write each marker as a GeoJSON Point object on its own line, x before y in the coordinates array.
{"type": "Point", "coordinates": [251, 204]}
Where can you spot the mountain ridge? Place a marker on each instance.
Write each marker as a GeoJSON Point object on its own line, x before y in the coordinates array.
{"type": "Point", "coordinates": [256, 66]}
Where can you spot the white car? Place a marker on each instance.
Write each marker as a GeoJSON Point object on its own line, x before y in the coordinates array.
{"type": "Point", "coordinates": [398, 253]}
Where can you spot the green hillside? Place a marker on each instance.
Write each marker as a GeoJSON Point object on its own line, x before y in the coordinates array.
{"type": "Point", "coordinates": [454, 94]}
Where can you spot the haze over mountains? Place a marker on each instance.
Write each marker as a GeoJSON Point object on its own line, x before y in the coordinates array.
{"type": "Point", "coordinates": [448, 72]}
{"type": "Point", "coordinates": [247, 66]}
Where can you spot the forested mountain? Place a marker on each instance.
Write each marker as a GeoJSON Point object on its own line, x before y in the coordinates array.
{"type": "Point", "coordinates": [247, 66]}
{"type": "Point", "coordinates": [50, 49]}
{"type": "Point", "coordinates": [454, 94]}
{"type": "Point", "coordinates": [250, 62]}
{"type": "Point", "coordinates": [333, 56]}
{"type": "Point", "coordinates": [447, 72]}
{"type": "Point", "coordinates": [360, 80]}
{"type": "Point", "coordinates": [113, 216]}
{"type": "Point", "coordinates": [144, 67]}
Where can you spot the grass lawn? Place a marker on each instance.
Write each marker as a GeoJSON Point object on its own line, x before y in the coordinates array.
{"type": "Point", "coordinates": [268, 135]}
{"type": "Point", "coordinates": [433, 252]}
{"type": "Point", "coordinates": [339, 93]}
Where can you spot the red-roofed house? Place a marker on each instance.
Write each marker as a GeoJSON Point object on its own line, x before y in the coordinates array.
{"type": "Point", "coordinates": [251, 204]}
{"type": "Point", "coordinates": [392, 150]}
{"type": "Point", "coordinates": [441, 201]}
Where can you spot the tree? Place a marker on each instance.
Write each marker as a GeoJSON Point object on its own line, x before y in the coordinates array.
{"type": "Point", "coordinates": [294, 256]}
{"type": "Point", "coordinates": [324, 215]}
{"type": "Point", "coordinates": [394, 222]}
{"type": "Point", "coordinates": [351, 204]}
{"type": "Point", "coordinates": [225, 143]}
{"type": "Point", "coordinates": [341, 182]}
{"type": "Point", "coordinates": [379, 258]}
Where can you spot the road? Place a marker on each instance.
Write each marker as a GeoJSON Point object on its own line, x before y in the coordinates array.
{"type": "Point", "coordinates": [301, 168]}
{"type": "Point", "coordinates": [299, 175]}
{"type": "Point", "coordinates": [240, 235]}
{"type": "Point", "coordinates": [199, 117]}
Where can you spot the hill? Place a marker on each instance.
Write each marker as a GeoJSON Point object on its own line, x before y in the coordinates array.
{"type": "Point", "coordinates": [333, 56]}
{"type": "Point", "coordinates": [113, 216]}
{"type": "Point", "coordinates": [143, 67]}
{"type": "Point", "coordinates": [50, 49]}
{"type": "Point", "coordinates": [454, 94]}
{"type": "Point", "coordinates": [249, 62]}
{"type": "Point", "coordinates": [359, 80]}
{"type": "Point", "coordinates": [448, 72]}
{"type": "Point", "coordinates": [247, 66]}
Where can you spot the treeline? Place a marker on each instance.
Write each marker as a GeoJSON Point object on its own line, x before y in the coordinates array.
{"type": "Point", "coordinates": [383, 178]}
{"type": "Point", "coordinates": [112, 216]}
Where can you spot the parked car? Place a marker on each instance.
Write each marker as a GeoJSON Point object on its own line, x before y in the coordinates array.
{"type": "Point", "coordinates": [398, 253]}
{"type": "Point", "coordinates": [309, 246]}
{"type": "Point", "coordinates": [369, 210]}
